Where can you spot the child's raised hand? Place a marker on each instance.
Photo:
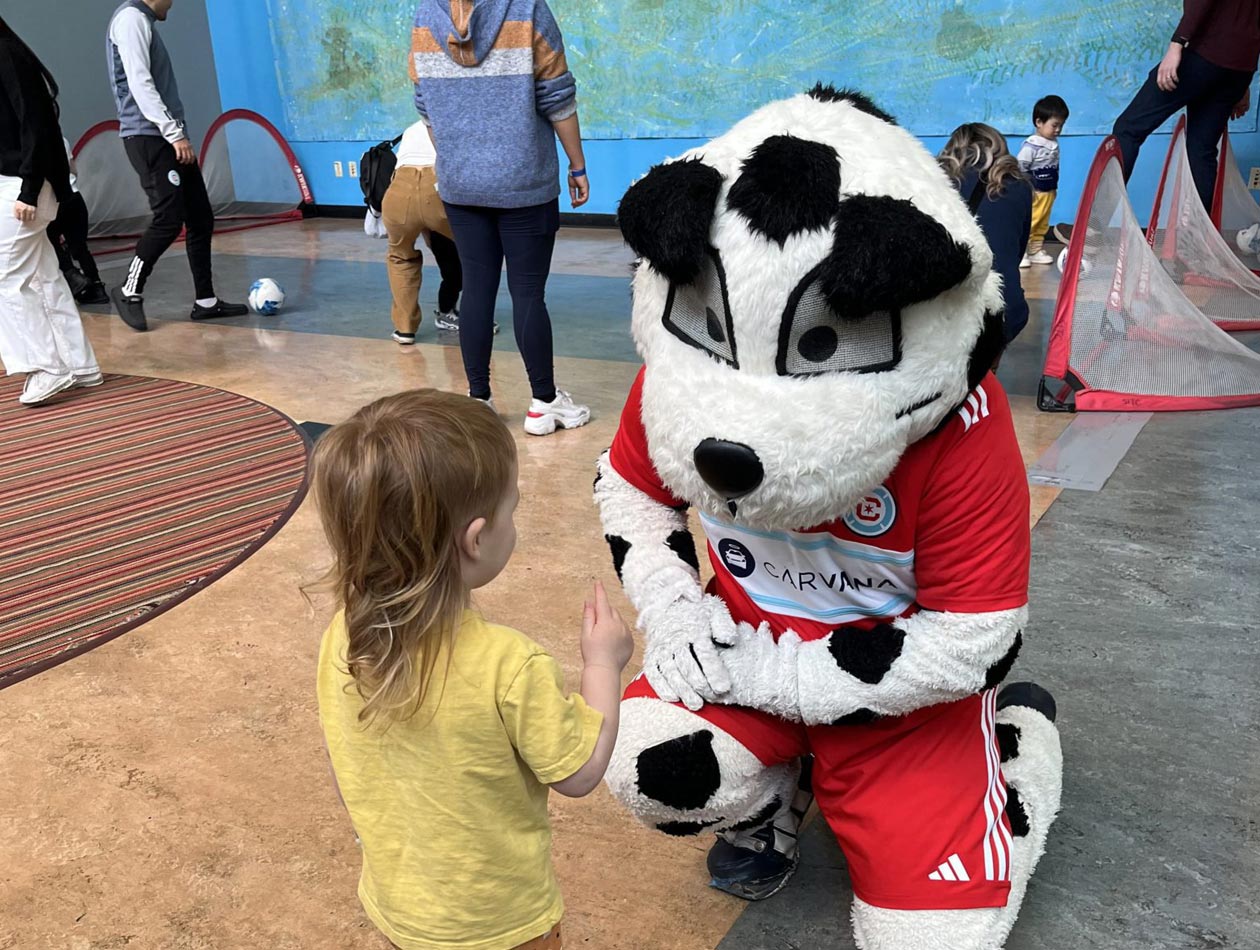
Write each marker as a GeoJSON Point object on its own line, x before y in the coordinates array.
{"type": "Point", "coordinates": [606, 640]}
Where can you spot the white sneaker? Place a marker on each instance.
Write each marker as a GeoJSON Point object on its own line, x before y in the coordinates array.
{"type": "Point", "coordinates": [1041, 257]}
{"type": "Point", "coordinates": [562, 412]}
{"type": "Point", "coordinates": [488, 402]}
{"type": "Point", "coordinates": [406, 339]}
{"type": "Point", "coordinates": [41, 386]}
{"type": "Point", "coordinates": [88, 380]}
{"type": "Point", "coordinates": [1024, 262]}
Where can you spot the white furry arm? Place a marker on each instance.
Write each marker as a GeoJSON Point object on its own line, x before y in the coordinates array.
{"type": "Point", "coordinates": [853, 675]}
{"type": "Point", "coordinates": [655, 557]}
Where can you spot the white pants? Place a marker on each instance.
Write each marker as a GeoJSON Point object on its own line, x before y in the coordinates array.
{"type": "Point", "coordinates": [40, 327]}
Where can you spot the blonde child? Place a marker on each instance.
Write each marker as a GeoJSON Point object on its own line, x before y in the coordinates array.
{"type": "Point", "coordinates": [1039, 160]}
{"type": "Point", "coordinates": [445, 732]}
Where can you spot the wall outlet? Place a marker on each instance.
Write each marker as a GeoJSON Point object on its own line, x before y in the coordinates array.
{"type": "Point", "coordinates": [353, 168]}
{"type": "Point", "coordinates": [337, 170]}
{"type": "Point", "coordinates": [1254, 181]}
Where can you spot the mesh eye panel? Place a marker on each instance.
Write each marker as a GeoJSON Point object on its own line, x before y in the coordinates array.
{"type": "Point", "coordinates": [697, 313]}
{"type": "Point", "coordinates": [817, 341]}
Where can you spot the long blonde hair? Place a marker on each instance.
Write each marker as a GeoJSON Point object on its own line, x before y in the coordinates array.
{"type": "Point", "coordinates": [979, 146]}
{"type": "Point", "coordinates": [395, 484]}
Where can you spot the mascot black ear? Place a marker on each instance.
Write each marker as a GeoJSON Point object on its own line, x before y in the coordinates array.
{"type": "Point", "coordinates": [988, 347]}
{"type": "Point", "coordinates": [665, 217]}
{"type": "Point", "coordinates": [888, 254]}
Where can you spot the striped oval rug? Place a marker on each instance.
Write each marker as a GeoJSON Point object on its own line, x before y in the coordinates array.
{"type": "Point", "coordinates": [120, 501]}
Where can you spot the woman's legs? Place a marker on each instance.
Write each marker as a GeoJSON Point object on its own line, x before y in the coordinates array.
{"type": "Point", "coordinates": [529, 236]}
{"type": "Point", "coordinates": [72, 221]}
{"type": "Point", "coordinates": [481, 258]}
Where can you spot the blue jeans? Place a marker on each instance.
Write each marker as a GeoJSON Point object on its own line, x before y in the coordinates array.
{"type": "Point", "coordinates": [525, 237]}
{"type": "Point", "coordinates": [1208, 93]}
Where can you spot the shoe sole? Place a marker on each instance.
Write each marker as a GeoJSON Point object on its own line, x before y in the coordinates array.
{"type": "Point", "coordinates": [216, 316]}
{"type": "Point", "coordinates": [756, 890]}
{"type": "Point", "coordinates": [141, 327]}
{"type": "Point", "coordinates": [87, 384]}
{"type": "Point", "coordinates": [549, 423]}
{"type": "Point", "coordinates": [47, 396]}
{"type": "Point", "coordinates": [411, 342]}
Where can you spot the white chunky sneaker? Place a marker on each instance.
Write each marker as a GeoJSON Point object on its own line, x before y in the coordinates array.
{"type": "Point", "coordinates": [41, 386]}
{"type": "Point", "coordinates": [1040, 257]}
{"type": "Point", "coordinates": [562, 412]}
{"type": "Point", "coordinates": [488, 401]}
{"type": "Point", "coordinates": [88, 380]}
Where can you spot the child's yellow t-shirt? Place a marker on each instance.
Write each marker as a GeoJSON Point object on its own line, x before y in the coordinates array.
{"type": "Point", "coordinates": [452, 808]}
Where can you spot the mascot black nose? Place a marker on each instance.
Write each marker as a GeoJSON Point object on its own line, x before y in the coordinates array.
{"type": "Point", "coordinates": [730, 469]}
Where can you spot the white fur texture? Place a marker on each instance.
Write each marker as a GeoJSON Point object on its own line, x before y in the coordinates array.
{"type": "Point", "coordinates": [746, 788]}
{"type": "Point", "coordinates": [945, 657]}
{"type": "Point", "coordinates": [822, 440]}
{"type": "Point", "coordinates": [679, 620]}
{"type": "Point", "coordinates": [1037, 773]}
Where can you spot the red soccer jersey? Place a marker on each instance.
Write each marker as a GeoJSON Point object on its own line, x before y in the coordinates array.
{"type": "Point", "coordinates": [946, 531]}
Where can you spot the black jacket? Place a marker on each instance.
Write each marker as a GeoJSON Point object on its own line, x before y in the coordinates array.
{"type": "Point", "coordinates": [31, 147]}
{"type": "Point", "coordinates": [1005, 221]}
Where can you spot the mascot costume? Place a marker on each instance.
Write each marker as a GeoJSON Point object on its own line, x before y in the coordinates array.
{"type": "Point", "coordinates": [817, 317]}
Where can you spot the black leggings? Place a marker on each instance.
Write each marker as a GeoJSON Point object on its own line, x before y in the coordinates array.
{"type": "Point", "coordinates": [447, 257]}
{"type": "Point", "coordinates": [69, 236]}
{"type": "Point", "coordinates": [177, 195]}
{"type": "Point", "coordinates": [526, 237]}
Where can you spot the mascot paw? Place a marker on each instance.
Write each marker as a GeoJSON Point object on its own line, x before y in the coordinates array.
{"type": "Point", "coordinates": [682, 662]}
{"type": "Point", "coordinates": [762, 672]}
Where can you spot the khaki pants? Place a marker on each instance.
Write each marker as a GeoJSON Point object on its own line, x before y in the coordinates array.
{"type": "Point", "coordinates": [410, 208]}
{"type": "Point", "coordinates": [1043, 201]}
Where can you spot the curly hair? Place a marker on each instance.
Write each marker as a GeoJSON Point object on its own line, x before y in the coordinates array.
{"type": "Point", "coordinates": [975, 145]}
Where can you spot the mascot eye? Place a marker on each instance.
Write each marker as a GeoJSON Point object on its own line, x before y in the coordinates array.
{"type": "Point", "coordinates": [698, 313]}
{"type": "Point", "coordinates": [814, 339]}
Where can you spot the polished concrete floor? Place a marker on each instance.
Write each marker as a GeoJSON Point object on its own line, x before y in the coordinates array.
{"type": "Point", "coordinates": [169, 789]}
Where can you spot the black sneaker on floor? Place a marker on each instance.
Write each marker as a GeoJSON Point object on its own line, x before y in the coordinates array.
{"type": "Point", "coordinates": [77, 280]}
{"type": "Point", "coordinates": [220, 309]}
{"type": "Point", "coordinates": [93, 293]}
{"type": "Point", "coordinates": [131, 309]}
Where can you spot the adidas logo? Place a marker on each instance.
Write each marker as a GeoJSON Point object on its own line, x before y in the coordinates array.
{"type": "Point", "coordinates": [951, 869]}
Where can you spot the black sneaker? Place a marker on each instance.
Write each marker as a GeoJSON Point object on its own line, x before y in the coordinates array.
{"type": "Point", "coordinates": [220, 309]}
{"type": "Point", "coordinates": [77, 280]}
{"type": "Point", "coordinates": [757, 863]}
{"type": "Point", "coordinates": [131, 309]}
{"type": "Point", "coordinates": [94, 293]}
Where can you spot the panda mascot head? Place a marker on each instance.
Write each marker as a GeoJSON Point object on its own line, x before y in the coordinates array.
{"type": "Point", "coordinates": [812, 296]}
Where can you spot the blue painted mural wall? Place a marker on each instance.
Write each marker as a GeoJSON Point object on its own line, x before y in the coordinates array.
{"type": "Point", "coordinates": [331, 74]}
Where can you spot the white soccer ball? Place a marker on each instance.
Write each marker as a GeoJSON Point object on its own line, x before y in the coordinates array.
{"type": "Point", "coordinates": [1061, 263]}
{"type": "Point", "coordinates": [266, 297]}
{"type": "Point", "coordinates": [1249, 239]}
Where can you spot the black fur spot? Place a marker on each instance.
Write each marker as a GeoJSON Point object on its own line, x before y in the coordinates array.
{"type": "Point", "coordinates": [786, 186]}
{"type": "Point", "coordinates": [859, 717]}
{"type": "Point", "coordinates": [888, 254]}
{"type": "Point", "coordinates": [599, 477]}
{"type": "Point", "coordinates": [1008, 740]}
{"type": "Point", "coordinates": [866, 654]}
{"type": "Point", "coordinates": [761, 817]}
{"type": "Point", "coordinates": [1015, 813]}
{"type": "Point", "coordinates": [988, 348]}
{"type": "Point", "coordinates": [665, 217]}
{"type": "Point", "coordinates": [856, 99]}
{"type": "Point", "coordinates": [620, 547]}
{"type": "Point", "coordinates": [999, 670]}
{"type": "Point", "coordinates": [683, 829]}
{"type": "Point", "coordinates": [680, 773]}
{"type": "Point", "coordinates": [684, 545]}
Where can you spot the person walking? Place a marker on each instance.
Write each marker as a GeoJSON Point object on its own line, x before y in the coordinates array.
{"type": "Point", "coordinates": [41, 332]}
{"type": "Point", "coordinates": [1207, 69]}
{"type": "Point", "coordinates": [492, 83]}
{"type": "Point", "coordinates": [69, 237]}
{"type": "Point", "coordinates": [151, 117]}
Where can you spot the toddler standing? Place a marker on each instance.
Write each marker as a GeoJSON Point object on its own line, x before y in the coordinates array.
{"type": "Point", "coordinates": [1039, 159]}
{"type": "Point", "coordinates": [445, 732]}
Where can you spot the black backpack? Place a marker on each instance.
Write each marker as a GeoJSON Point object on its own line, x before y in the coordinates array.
{"type": "Point", "coordinates": [376, 170]}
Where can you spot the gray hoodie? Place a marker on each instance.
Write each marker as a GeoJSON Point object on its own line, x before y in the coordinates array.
{"type": "Point", "coordinates": [142, 77]}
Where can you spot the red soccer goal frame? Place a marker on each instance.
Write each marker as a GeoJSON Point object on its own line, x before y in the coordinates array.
{"type": "Point", "coordinates": [1066, 381]}
{"type": "Point", "coordinates": [1224, 167]}
{"type": "Point", "coordinates": [234, 223]}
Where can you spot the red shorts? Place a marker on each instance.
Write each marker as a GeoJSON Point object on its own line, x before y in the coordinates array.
{"type": "Point", "coordinates": [917, 802]}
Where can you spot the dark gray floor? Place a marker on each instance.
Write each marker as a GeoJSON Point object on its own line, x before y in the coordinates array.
{"type": "Point", "coordinates": [590, 315]}
{"type": "Point", "coordinates": [1145, 599]}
